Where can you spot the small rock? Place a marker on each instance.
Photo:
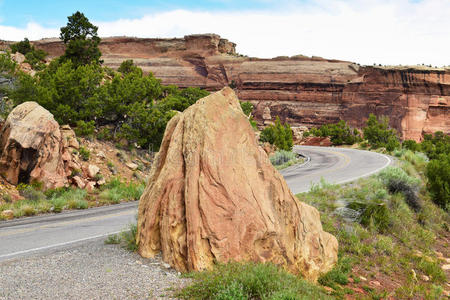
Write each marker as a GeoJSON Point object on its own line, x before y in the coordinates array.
{"type": "Point", "coordinates": [90, 186]}
{"type": "Point", "coordinates": [439, 254]}
{"type": "Point", "coordinates": [101, 154]}
{"type": "Point", "coordinates": [417, 253]}
{"type": "Point", "coordinates": [446, 267]}
{"type": "Point", "coordinates": [357, 290]}
{"type": "Point", "coordinates": [375, 283]}
{"type": "Point", "coordinates": [102, 181]}
{"type": "Point", "coordinates": [132, 166]}
{"type": "Point", "coordinates": [425, 277]}
{"type": "Point", "coordinates": [166, 265]}
{"type": "Point", "coordinates": [92, 170]}
{"type": "Point", "coordinates": [363, 278]}
{"type": "Point", "coordinates": [8, 214]}
{"type": "Point", "coordinates": [139, 262]}
{"type": "Point", "coordinates": [350, 280]}
{"type": "Point", "coordinates": [78, 182]}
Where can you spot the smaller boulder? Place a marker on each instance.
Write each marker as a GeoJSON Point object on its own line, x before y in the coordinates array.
{"type": "Point", "coordinates": [90, 186]}
{"type": "Point", "coordinates": [78, 182]}
{"type": "Point", "coordinates": [8, 214]}
{"type": "Point", "coordinates": [132, 166]}
{"type": "Point", "coordinates": [92, 170]}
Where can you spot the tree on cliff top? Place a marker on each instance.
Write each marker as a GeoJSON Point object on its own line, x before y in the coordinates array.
{"type": "Point", "coordinates": [81, 39]}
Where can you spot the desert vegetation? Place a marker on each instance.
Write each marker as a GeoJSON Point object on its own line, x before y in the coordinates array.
{"type": "Point", "coordinates": [392, 241]}
{"type": "Point", "coordinates": [35, 201]}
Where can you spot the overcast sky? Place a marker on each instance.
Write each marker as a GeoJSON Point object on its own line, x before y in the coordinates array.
{"type": "Point", "coordinates": [364, 31]}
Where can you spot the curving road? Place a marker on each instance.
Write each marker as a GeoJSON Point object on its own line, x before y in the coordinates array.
{"type": "Point", "coordinates": [34, 235]}
{"type": "Point", "coordinates": [334, 165]}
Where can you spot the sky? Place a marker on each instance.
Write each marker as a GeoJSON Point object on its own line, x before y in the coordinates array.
{"type": "Point", "coordinates": [387, 32]}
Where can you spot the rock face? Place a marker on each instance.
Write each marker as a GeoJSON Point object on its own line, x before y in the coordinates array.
{"type": "Point", "coordinates": [213, 195]}
{"type": "Point", "coordinates": [301, 90]}
{"type": "Point", "coordinates": [32, 148]}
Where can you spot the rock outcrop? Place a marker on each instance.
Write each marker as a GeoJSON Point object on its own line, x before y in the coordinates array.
{"type": "Point", "coordinates": [301, 90]}
{"type": "Point", "coordinates": [213, 196]}
{"type": "Point", "coordinates": [32, 148]}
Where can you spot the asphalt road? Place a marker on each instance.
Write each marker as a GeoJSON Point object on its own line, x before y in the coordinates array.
{"type": "Point", "coordinates": [29, 236]}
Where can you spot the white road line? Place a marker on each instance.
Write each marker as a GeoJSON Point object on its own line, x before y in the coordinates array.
{"type": "Point", "coordinates": [58, 245]}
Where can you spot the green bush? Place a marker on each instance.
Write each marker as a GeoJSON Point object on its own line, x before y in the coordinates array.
{"type": "Point", "coordinates": [33, 56]}
{"type": "Point", "coordinates": [338, 275]}
{"type": "Point", "coordinates": [438, 175]}
{"type": "Point", "coordinates": [410, 145]}
{"type": "Point", "coordinates": [249, 281]}
{"type": "Point", "coordinates": [85, 128]}
{"type": "Point", "coordinates": [378, 133]}
{"type": "Point", "coordinates": [247, 108]}
{"type": "Point", "coordinates": [339, 133]}
{"type": "Point", "coordinates": [281, 157]}
{"type": "Point", "coordinates": [84, 153]}
{"type": "Point", "coordinates": [397, 181]}
{"type": "Point", "coordinates": [22, 47]}
{"type": "Point", "coordinates": [279, 135]}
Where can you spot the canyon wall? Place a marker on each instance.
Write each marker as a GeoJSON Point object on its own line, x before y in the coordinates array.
{"type": "Point", "coordinates": [301, 90]}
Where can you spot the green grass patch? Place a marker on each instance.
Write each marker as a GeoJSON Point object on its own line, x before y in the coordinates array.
{"type": "Point", "coordinates": [116, 191]}
{"type": "Point", "coordinates": [249, 281]}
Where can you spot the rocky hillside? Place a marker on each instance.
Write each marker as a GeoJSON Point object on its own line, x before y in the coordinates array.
{"type": "Point", "coordinates": [301, 90]}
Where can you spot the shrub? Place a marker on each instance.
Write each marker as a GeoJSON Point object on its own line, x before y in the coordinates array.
{"type": "Point", "coordinates": [373, 214]}
{"type": "Point", "coordinates": [85, 128]}
{"type": "Point", "coordinates": [129, 237]}
{"type": "Point", "coordinates": [248, 281]}
{"type": "Point", "coordinates": [279, 135]}
{"type": "Point", "coordinates": [338, 275]}
{"type": "Point", "coordinates": [339, 133]}
{"type": "Point", "coordinates": [378, 133]}
{"type": "Point", "coordinates": [33, 56]}
{"type": "Point", "coordinates": [22, 47]}
{"type": "Point", "coordinates": [84, 153]}
{"type": "Point", "coordinates": [397, 181]}
{"type": "Point", "coordinates": [112, 239]}
{"type": "Point", "coordinates": [410, 145]}
{"type": "Point", "coordinates": [438, 175]}
{"type": "Point", "coordinates": [281, 157]}
{"type": "Point", "coordinates": [247, 108]}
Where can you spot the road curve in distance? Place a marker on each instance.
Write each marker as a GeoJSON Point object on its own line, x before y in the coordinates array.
{"type": "Point", "coordinates": [334, 165]}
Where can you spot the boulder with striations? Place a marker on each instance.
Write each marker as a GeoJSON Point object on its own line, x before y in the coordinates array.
{"type": "Point", "coordinates": [32, 147]}
{"type": "Point", "coordinates": [213, 196]}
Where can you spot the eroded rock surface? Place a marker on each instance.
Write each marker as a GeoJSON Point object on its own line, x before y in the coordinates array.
{"type": "Point", "coordinates": [31, 147]}
{"type": "Point", "coordinates": [213, 195]}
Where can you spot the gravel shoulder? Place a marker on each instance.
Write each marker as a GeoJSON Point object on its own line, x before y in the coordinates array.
{"type": "Point", "coordinates": [91, 270]}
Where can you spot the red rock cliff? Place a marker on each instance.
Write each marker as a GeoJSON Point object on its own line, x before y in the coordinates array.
{"type": "Point", "coordinates": [301, 90]}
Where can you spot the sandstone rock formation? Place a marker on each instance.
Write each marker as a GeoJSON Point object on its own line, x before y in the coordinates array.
{"type": "Point", "coordinates": [301, 90]}
{"type": "Point", "coordinates": [213, 195]}
{"type": "Point", "coordinates": [32, 147]}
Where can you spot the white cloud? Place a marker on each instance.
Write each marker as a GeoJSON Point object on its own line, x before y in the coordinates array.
{"type": "Point", "coordinates": [364, 31]}
{"type": "Point", "coordinates": [33, 31]}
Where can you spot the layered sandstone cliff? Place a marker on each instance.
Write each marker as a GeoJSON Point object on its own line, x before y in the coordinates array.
{"type": "Point", "coordinates": [301, 90]}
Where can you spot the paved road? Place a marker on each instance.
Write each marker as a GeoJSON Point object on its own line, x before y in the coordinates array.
{"type": "Point", "coordinates": [29, 236]}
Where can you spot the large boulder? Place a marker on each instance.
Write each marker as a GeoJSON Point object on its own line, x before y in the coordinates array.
{"type": "Point", "coordinates": [213, 196]}
{"type": "Point", "coordinates": [32, 147]}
